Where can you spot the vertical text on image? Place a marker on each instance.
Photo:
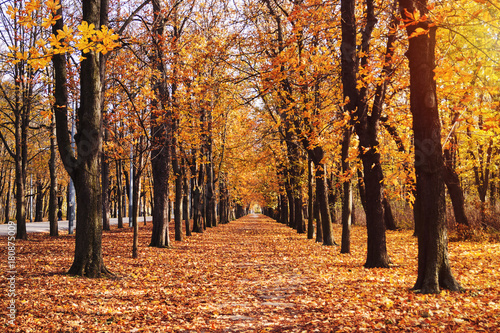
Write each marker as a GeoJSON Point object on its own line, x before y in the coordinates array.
{"type": "Point", "coordinates": [11, 272]}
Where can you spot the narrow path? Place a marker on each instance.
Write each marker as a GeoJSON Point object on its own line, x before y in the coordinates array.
{"type": "Point", "coordinates": [247, 276]}
{"type": "Point", "coordinates": [267, 283]}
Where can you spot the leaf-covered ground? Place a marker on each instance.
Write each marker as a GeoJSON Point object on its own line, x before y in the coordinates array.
{"type": "Point", "coordinates": [252, 275]}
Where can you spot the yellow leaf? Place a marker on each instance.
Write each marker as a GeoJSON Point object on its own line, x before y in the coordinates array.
{"type": "Point", "coordinates": [416, 14]}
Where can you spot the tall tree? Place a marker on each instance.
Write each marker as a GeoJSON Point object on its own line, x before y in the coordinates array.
{"type": "Point", "coordinates": [366, 126]}
{"type": "Point", "coordinates": [84, 168]}
{"type": "Point", "coordinates": [160, 146]}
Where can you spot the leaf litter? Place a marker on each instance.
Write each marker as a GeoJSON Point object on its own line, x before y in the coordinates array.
{"type": "Point", "coordinates": [251, 275]}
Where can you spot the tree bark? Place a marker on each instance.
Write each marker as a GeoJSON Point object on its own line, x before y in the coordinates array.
{"type": "Point", "coordinates": [345, 246]}
{"type": "Point", "coordinates": [119, 193]}
{"type": "Point", "coordinates": [185, 198]}
{"type": "Point", "coordinates": [349, 78]}
{"type": "Point", "coordinates": [284, 208]}
{"type": "Point", "coordinates": [390, 223]}
{"type": "Point", "coordinates": [135, 200]}
{"type": "Point", "coordinates": [85, 169]}
{"type": "Point", "coordinates": [322, 197]}
{"type": "Point", "coordinates": [104, 20]}
{"type": "Point", "coordinates": [39, 202]}
{"type": "Point", "coordinates": [178, 193]}
{"type": "Point", "coordinates": [160, 151]}
{"type": "Point", "coordinates": [366, 128]}
{"type": "Point", "coordinates": [53, 223]}
{"type": "Point", "coordinates": [105, 187]}
{"type": "Point", "coordinates": [20, 179]}
{"type": "Point", "coordinates": [310, 202]}
{"type": "Point", "coordinates": [197, 227]}
{"type": "Point", "coordinates": [299, 216]}
{"type": "Point", "coordinates": [317, 216]}
{"type": "Point", "coordinates": [434, 271]}
{"type": "Point", "coordinates": [7, 199]}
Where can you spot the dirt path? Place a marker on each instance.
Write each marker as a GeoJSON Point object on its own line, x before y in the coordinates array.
{"type": "Point", "coordinates": [258, 284]}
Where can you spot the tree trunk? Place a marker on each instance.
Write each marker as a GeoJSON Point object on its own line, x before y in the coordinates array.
{"type": "Point", "coordinates": [135, 205]}
{"type": "Point", "coordinates": [321, 196]}
{"type": "Point", "coordinates": [210, 196]}
{"type": "Point", "coordinates": [85, 169]}
{"type": "Point", "coordinates": [346, 195]}
{"type": "Point", "coordinates": [105, 187]}
{"type": "Point", "coordinates": [197, 227]}
{"type": "Point", "coordinates": [317, 216]}
{"type": "Point", "coordinates": [284, 209]}
{"type": "Point", "coordinates": [39, 202]}
{"type": "Point", "coordinates": [53, 223]}
{"type": "Point", "coordinates": [119, 190]}
{"type": "Point", "coordinates": [7, 199]}
{"type": "Point", "coordinates": [390, 223]}
{"type": "Point", "coordinates": [349, 79]}
{"type": "Point", "coordinates": [178, 194]}
{"type": "Point", "coordinates": [20, 180]}
{"type": "Point", "coordinates": [160, 154]}
{"type": "Point", "coordinates": [366, 127]}
{"type": "Point", "coordinates": [185, 198]}
{"type": "Point", "coordinates": [104, 20]}
{"type": "Point", "coordinates": [291, 205]}
{"type": "Point", "coordinates": [299, 216]}
{"type": "Point", "coordinates": [86, 173]}
{"type": "Point", "coordinates": [375, 222]}
{"type": "Point", "coordinates": [434, 271]}
{"type": "Point", "coordinates": [310, 202]}
{"type": "Point", "coordinates": [159, 163]}
{"type": "Point", "coordinates": [453, 182]}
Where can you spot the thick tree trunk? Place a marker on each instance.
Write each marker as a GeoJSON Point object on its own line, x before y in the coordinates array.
{"type": "Point", "coordinates": [160, 152]}
{"type": "Point", "coordinates": [434, 271]}
{"type": "Point", "coordinates": [366, 127]}
{"type": "Point", "coordinates": [86, 176]}
{"type": "Point", "coordinates": [159, 163]}
{"type": "Point", "coordinates": [85, 169]}
{"type": "Point", "coordinates": [375, 222]}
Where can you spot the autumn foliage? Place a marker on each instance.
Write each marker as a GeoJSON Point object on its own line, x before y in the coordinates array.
{"type": "Point", "coordinates": [381, 116]}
